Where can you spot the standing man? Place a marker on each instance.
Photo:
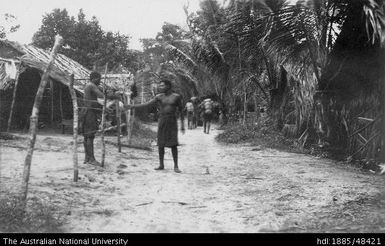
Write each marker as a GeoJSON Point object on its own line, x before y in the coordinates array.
{"type": "Point", "coordinates": [207, 106]}
{"type": "Point", "coordinates": [169, 103]}
{"type": "Point", "coordinates": [89, 116]}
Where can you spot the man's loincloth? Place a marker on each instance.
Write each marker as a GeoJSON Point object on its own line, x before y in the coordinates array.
{"type": "Point", "coordinates": [167, 130]}
{"type": "Point", "coordinates": [90, 123]}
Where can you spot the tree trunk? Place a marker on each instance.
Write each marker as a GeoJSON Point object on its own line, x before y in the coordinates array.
{"type": "Point", "coordinates": [75, 128]}
{"type": "Point", "coordinates": [244, 105]}
{"type": "Point", "coordinates": [13, 99]}
{"type": "Point", "coordinates": [256, 108]}
{"type": "Point", "coordinates": [104, 116]}
{"type": "Point", "coordinates": [382, 101]}
{"type": "Point", "coordinates": [312, 54]}
{"type": "Point", "coordinates": [118, 124]}
{"type": "Point", "coordinates": [35, 116]}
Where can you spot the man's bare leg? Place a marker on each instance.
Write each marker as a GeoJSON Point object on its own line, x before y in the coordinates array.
{"type": "Point", "coordinates": [204, 126]}
{"type": "Point", "coordinates": [161, 158]}
{"type": "Point", "coordinates": [208, 126]}
{"type": "Point", "coordinates": [86, 155]}
{"type": "Point", "coordinates": [90, 147]}
{"type": "Point", "coordinates": [174, 151]}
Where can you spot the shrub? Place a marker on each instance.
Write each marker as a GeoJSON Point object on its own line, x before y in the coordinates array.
{"type": "Point", "coordinates": [38, 216]}
{"type": "Point", "coordinates": [259, 133]}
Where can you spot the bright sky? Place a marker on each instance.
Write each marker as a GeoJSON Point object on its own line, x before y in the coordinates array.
{"type": "Point", "coordinates": [136, 18]}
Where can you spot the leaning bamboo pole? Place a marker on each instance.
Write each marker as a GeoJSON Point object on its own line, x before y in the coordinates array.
{"type": "Point", "coordinates": [75, 127]}
{"type": "Point", "coordinates": [104, 116]}
{"type": "Point", "coordinates": [13, 98]}
{"type": "Point", "coordinates": [35, 116]}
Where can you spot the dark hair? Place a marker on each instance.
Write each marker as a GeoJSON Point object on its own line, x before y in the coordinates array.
{"type": "Point", "coordinates": [167, 83]}
{"type": "Point", "coordinates": [95, 75]}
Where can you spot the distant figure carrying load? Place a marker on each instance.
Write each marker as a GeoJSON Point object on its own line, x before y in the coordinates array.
{"type": "Point", "coordinates": [195, 103]}
{"type": "Point", "coordinates": [169, 103]}
{"type": "Point", "coordinates": [190, 114]}
{"type": "Point", "coordinates": [207, 106]}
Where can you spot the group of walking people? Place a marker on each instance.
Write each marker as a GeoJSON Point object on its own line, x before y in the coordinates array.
{"type": "Point", "coordinates": [199, 111]}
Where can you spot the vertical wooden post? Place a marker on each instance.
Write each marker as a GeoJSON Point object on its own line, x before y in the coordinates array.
{"type": "Point", "coordinates": [61, 102]}
{"type": "Point", "coordinates": [35, 116]}
{"type": "Point", "coordinates": [51, 92]}
{"type": "Point", "coordinates": [118, 124]}
{"type": "Point", "coordinates": [75, 127]}
{"type": "Point", "coordinates": [132, 119]}
{"type": "Point", "coordinates": [13, 98]}
{"type": "Point", "coordinates": [126, 101]}
{"type": "Point", "coordinates": [104, 116]}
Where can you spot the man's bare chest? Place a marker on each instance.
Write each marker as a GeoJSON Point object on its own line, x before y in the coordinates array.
{"type": "Point", "coordinates": [169, 100]}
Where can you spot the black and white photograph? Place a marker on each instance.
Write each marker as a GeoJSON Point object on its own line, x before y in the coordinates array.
{"type": "Point", "coordinates": [192, 116]}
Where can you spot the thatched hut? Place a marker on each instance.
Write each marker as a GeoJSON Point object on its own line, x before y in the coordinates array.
{"type": "Point", "coordinates": [21, 68]}
{"type": "Point", "coordinates": [351, 93]}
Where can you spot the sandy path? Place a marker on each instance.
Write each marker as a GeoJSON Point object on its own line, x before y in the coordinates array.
{"type": "Point", "coordinates": [223, 188]}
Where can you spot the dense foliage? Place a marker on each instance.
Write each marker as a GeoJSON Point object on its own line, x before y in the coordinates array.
{"type": "Point", "coordinates": [86, 42]}
{"type": "Point", "coordinates": [303, 62]}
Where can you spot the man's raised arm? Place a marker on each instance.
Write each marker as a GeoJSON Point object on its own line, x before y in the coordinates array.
{"type": "Point", "coordinates": [143, 105]}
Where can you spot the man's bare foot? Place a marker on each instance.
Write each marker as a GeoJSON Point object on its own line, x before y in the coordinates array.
{"type": "Point", "coordinates": [177, 170]}
{"type": "Point", "coordinates": [159, 168]}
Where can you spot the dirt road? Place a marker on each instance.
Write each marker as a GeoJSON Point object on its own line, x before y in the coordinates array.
{"type": "Point", "coordinates": [222, 188]}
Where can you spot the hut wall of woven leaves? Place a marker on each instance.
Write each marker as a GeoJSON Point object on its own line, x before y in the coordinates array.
{"type": "Point", "coordinates": [350, 100]}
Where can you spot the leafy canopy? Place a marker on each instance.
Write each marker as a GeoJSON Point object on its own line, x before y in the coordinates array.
{"type": "Point", "coordinates": [85, 41]}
